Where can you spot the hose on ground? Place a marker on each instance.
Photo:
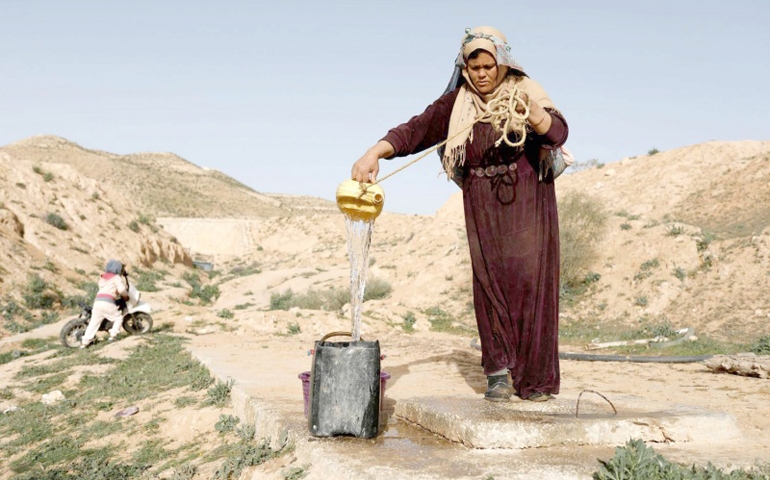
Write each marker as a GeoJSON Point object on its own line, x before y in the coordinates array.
{"type": "Point", "coordinates": [590, 357]}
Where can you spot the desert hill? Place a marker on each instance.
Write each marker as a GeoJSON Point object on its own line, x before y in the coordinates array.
{"type": "Point", "coordinates": [685, 239]}
{"type": "Point", "coordinates": [688, 239]}
{"type": "Point", "coordinates": [161, 184]}
{"type": "Point", "coordinates": [58, 227]}
{"type": "Point", "coordinates": [685, 243]}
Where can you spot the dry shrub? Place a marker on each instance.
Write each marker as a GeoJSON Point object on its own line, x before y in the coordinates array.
{"type": "Point", "coordinates": [582, 223]}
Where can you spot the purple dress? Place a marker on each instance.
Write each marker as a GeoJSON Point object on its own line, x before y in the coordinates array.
{"type": "Point", "coordinates": [513, 234]}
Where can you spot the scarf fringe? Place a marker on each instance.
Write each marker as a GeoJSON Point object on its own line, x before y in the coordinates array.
{"type": "Point", "coordinates": [453, 160]}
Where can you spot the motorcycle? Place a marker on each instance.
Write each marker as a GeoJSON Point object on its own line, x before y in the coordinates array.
{"type": "Point", "coordinates": [136, 319]}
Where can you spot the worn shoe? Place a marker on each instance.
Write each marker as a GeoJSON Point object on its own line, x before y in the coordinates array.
{"type": "Point", "coordinates": [498, 389]}
{"type": "Point", "coordinates": [85, 345]}
{"type": "Point", "coordinates": [112, 339]}
{"type": "Point", "coordinates": [539, 397]}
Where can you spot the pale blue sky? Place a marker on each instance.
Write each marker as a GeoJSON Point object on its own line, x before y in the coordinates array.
{"type": "Point", "coordinates": [285, 96]}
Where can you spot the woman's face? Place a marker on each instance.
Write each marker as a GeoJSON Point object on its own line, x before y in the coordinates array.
{"type": "Point", "coordinates": [483, 71]}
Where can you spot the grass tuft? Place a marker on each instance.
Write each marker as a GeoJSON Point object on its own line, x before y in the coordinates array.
{"type": "Point", "coordinates": [219, 393]}
{"type": "Point", "coordinates": [636, 461]}
{"type": "Point", "coordinates": [582, 223]}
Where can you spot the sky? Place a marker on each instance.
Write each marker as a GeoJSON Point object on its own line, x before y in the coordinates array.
{"type": "Point", "coordinates": [286, 96]}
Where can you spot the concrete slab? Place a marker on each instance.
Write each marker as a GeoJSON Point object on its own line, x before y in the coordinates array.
{"type": "Point", "coordinates": [263, 398]}
{"type": "Point", "coordinates": [455, 433]}
{"type": "Point", "coordinates": [524, 424]}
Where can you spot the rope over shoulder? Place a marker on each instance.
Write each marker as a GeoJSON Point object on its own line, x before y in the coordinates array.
{"type": "Point", "coordinates": [500, 112]}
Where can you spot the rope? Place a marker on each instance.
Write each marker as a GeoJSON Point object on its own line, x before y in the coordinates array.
{"type": "Point", "coordinates": [502, 110]}
{"type": "Point", "coordinates": [501, 113]}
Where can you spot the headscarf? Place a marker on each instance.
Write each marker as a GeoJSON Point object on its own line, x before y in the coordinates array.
{"type": "Point", "coordinates": [470, 103]}
{"type": "Point", "coordinates": [114, 266]}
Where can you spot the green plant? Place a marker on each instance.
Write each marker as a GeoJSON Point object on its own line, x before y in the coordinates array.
{"type": "Point", "coordinates": [442, 321]}
{"type": "Point", "coordinates": [57, 449]}
{"type": "Point", "coordinates": [54, 219]}
{"type": "Point", "coordinates": [48, 176]}
{"type": "Point", "coordinates": [641, 301]}
{"type": "Point", "coordinates": [762, 347]}
{"type": "Point", "coordinates": [679, 273]}
{"type": "Point", "coordinates": [226, 423]}
{"type": "Point", "coordinates": [240, 455]}
{"type": "Point", "coordinates": [376, 289]}
{"type": "Point", "coordinates": [409, 321]}
{"type": "Point", "coordinates": [184, 401]}
{"type": "Point", "coordinates": [225, 313]}
{"type": "Point", "coordinates": [329, 300]}
{"type": "Point", "coordinates": [296, 473]}
{"type": "Point", "coordinates": [674, 230]}
{"type": "Point", "coordinates": [585, 165]}
{"type": "Point", "coordinates": [703, 241]}
{"type": "Point", "coordinates": [637, 461]}
{"type": "Point", "coordinates": [582, 224]}
{"type": "Point", "coordinates": [133, 226]}
{"type": "Point", "coordinates": [293, 328]}
{"type": "Point", "coordinates": [653, 151]}
{"type": "Point", "coordinates": [242, 271]}
{"type": "Point", "coordinates": [150, 452]}
{"type": "Point", "coordinates": [186, 471]}
{"type": "Point", "coordinates": [39, 294]}
{"type": "Point", "coordinates": [645, 269]}
{"type": "Point", "coordinates": [145, 219]}
{"type": "Point", "coordinates": [281, 301]}
{"type": "Point", "coordinates": [205, 293]}
{"type": "Point", "coordinates": [650, 264]}
{"type": "Point", "coordinates": [625, 226]}
{"type": "Point", "coordinates": [591, 277]}
{"type": "Point", "coordinates": [219, 393]}
{"type": "Point", "coordinates": [51, 267]}
{"type": "Point", "coordinates": [146, 280]}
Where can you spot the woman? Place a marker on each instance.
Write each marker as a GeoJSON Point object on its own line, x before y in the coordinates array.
{"type": "Point", "coordinates": [510, 209]}
{"type": "Point", "coordinates": [112, 286]}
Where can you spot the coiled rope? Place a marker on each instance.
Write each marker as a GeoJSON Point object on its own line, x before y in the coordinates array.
{"type": "Point", "coordinates": [500, 112]}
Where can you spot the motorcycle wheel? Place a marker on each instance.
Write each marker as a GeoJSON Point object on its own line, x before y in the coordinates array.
{"type": "Point", "coordinates": [72, 333]}
{"type": "Point", "coordinates": [137, 323]}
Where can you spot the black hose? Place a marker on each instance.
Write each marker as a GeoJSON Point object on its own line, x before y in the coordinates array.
{"type": "Point", "coordinates": [589, 357]}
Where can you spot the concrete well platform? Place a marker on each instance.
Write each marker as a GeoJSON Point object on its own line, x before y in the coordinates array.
{"type": "Point", "coordinates": [454, 433]}
{"type": "Point", "coordinates": [562, 421]}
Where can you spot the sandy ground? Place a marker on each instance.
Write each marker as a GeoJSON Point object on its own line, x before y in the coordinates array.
{"type": "Point", "coordinates": [426, 363]}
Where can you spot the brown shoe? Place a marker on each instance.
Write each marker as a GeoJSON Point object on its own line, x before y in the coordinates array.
{"type": "Point", "coordinates": [539, 397]}
{"type": "Point", "coordinates": [498, 389]}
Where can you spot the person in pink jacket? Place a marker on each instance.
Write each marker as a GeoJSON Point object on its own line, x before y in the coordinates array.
{"type": "Point", "coordinates": [112, 286]}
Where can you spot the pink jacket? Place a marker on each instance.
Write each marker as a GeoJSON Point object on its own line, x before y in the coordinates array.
{"type": "Point", "coordinates": [111, 287]}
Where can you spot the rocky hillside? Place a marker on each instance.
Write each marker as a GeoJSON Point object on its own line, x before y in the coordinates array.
{"type": "Point", "coordinates": [161, 184]}
{"type": "Point", "coordinates": [685, 242]}
{"type": "Point", "coordinates": [688, 239]}
{"type": "Point", "coordinates": [58, 227]}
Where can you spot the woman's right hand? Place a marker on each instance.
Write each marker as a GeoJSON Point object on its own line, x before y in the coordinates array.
{"type": "Point", "coordinates": [368, 166]}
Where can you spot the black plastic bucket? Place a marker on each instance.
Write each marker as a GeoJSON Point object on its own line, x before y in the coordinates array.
{"type": "Point", "coordinates": [345, 387]}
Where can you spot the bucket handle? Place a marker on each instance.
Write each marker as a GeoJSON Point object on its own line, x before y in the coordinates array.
{"type": "Point", "coordinates": [336, 334]}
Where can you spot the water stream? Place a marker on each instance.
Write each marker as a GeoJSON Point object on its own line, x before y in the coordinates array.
{"type": "Point", "coordinates": [359, 239]}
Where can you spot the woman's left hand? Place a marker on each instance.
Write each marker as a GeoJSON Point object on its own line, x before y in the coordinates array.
{"type": "Point", "coordinates": [521, 106]}
{"type": "Point", "coordinates": [538, 118]}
